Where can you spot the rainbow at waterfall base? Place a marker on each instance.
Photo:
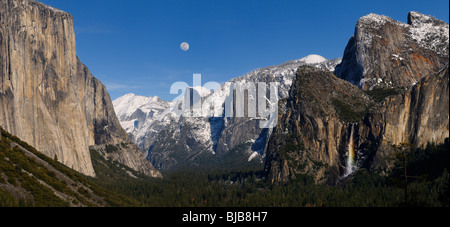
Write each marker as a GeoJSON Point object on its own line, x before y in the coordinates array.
{"type": "Point", "coordinates": [350, 167]}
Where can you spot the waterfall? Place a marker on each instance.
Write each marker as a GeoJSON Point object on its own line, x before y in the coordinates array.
{"type": "Point", "coordinates": [351, 153]}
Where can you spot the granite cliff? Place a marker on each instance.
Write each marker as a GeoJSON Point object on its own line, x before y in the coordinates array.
{"type": "Point", "coordinates": [391, 88]}
{"type": "Point", "coordinates": [418, 116]}
{"type": "Point", "coordinates": [49, 98]}
{"type": "Point", "coordinates": [388, 53]}
{"type": "Point", "coordinates": [312, 133]}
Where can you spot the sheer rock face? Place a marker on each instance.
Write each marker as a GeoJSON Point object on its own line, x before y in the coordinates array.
{"type": "Point", "coordinates": [311, 136]}
{"type": "Point", "coordinates": [48, 97]}
{"type": "Point", "coordinates": [388, 53]}
{"type": "Point", "coordinates": [419, 116]}
{"type": "Point", "coordinates": [414, 57]}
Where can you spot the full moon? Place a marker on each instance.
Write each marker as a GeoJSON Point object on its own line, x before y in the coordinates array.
{"type": "Point", "coordinates": [184, 46]}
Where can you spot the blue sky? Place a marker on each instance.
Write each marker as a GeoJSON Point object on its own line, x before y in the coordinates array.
{"type": "Point", "coordinates": [134, 46]}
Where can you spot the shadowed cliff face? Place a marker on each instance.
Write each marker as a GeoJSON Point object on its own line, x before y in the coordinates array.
{"type": "Point", "coordinates": [48, 97]}
{"type": "Point", "coordinates": [418, 116]}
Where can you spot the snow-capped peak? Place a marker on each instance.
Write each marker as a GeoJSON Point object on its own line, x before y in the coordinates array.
{"type": "Point", "coordinates": [373, 21]}
{"type": "Point", "coordinates": [429, 32]}
{"type": "Point", "coordinates": [416, 19]}
{"type": "Point", "coordinates": [139, 114]}
{"type": "Point", "coordinates": [155, 99]}
{"type": "Point", "coordinates": [126, 105]}
{"type": "Point", "coordinates": [313, 59]}
{"type": "Point", "coordinates": [375, 17]}
{"type": "Point", "coordinates": [201, 91]}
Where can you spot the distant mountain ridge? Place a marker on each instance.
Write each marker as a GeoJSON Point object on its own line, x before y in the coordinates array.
{"type": "Point", "coordinates": [163, 132]}
{"type": "Point", "coordinates": [141, 117]}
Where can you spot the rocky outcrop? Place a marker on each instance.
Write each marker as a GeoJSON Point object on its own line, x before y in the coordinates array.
{"type": "Point", "coordinates": [388, 53]}
{"type": "Point", "coordinates": [48, 97]}
{"type": "Point", "coordinates": [311, 136]}
{"type": "Point", "coordinates": [327, 120]}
